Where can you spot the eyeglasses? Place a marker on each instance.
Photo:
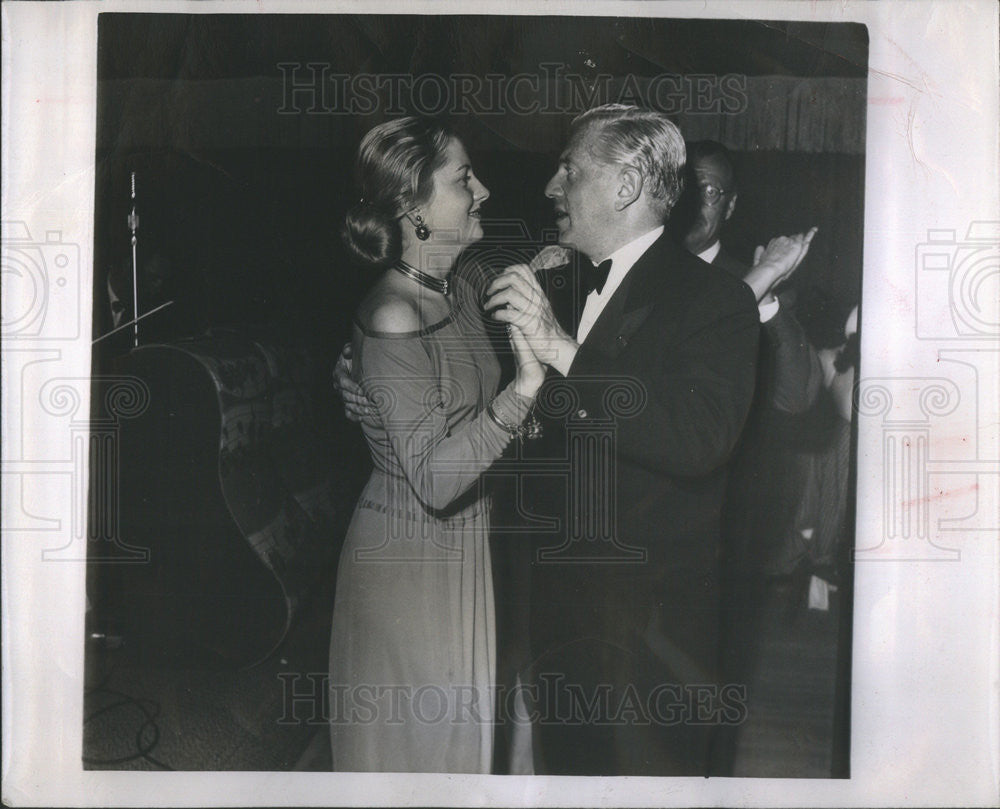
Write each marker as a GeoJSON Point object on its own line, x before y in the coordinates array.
{"type": "Point", "coordinates": [711, 194]}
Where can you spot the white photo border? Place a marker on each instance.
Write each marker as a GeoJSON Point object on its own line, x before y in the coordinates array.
{"type": "Point", "coordinates": [925, 722]}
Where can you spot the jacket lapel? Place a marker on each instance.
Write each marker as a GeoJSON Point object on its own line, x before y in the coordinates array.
{"type": "Point", "coordinates": [634, 299]}
{"type": "Point", "coordinates": [724, 261]}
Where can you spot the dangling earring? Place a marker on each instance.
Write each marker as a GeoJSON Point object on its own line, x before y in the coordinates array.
{"type": "Point", "coordinates": [423, 232]}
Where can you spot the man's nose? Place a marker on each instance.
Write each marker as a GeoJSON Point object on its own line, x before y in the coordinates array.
{"type": "Point", "coordinates": [553, 188]}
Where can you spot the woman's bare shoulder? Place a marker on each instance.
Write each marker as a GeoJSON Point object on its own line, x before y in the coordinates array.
{"type": "Point", "coordinates": [388, 309]}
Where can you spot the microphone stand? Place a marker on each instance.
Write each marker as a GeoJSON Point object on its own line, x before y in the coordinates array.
{"type": "Point", "coordinates": [133, 223]}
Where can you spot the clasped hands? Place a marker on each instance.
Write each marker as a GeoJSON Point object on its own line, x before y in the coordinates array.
{"type": "Point", "coordinates": [516, 298]}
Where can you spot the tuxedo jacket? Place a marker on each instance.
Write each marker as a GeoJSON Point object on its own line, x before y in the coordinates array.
{"type": "Point", "coordinates": [623, 500]}
{"type": "Point", "coordinates": [638, 433]}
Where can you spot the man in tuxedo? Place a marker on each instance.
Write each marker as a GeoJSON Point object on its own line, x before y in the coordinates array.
{"type": "Point", "coordinates": [648, 390]}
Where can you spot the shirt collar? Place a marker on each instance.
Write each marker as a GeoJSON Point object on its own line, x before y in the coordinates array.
{"type": "Point", "coordinates": [709, 253]}
{"type": "Point", "coordinates": [624, 257]}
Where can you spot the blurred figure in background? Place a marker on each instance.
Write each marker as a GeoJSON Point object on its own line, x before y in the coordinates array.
{"type": "Point", "coordinates": [817, 540]}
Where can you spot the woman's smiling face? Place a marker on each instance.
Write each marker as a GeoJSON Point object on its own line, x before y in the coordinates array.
{"type": "Point", "coordinates": [452, 212]}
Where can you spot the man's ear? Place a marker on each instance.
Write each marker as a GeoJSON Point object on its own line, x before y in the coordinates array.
{"type": "Point", "coordinates": [629, 188]}
{"type": "Point", "coordinates": [731, 206]}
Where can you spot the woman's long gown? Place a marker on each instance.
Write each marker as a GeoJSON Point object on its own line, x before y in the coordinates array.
{"type": "Point", "coordinates": [412, 653]}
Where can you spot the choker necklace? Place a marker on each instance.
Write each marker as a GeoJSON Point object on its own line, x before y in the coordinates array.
{"type": "Point", "coordinates": [442, 285]}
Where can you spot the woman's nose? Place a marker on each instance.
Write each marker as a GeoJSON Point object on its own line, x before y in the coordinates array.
{"type": "Point", "coordinates": [482, 193]}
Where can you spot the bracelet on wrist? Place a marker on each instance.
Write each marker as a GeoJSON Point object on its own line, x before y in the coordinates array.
{"type": "Point", "coordinates": [530, 430]}
{"type": "Point", "coordinates": [510, 429]}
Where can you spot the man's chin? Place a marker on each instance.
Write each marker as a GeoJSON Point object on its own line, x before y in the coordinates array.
{"type": "Point", "coordinates": [696, 246]}
{"type": "Point", "coordinates": [565, 238]}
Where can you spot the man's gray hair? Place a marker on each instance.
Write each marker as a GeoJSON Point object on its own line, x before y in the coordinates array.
{"type": "Point", "coordinates": [644, 139]}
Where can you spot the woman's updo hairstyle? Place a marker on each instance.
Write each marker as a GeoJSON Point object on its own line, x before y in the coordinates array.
{"type": "Point", "coordinates": [394, 166]}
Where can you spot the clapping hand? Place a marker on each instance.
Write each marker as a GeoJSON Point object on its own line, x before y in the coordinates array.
{"type": "Point", "coordinates": [775, 263]}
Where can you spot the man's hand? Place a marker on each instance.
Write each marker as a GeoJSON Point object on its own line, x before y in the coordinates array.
{"type": "Point", "coordinates": [515, 297]}
{"type": "Point", "coordinates": [777, 262]}
{"type": "Point", "coordinates": [357, 407]}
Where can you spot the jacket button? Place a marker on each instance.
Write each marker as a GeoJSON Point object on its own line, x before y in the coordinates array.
{"type": "Point", "coordinates": [581, 413]}
{"type": "Point", "coordinates": [622, 340]}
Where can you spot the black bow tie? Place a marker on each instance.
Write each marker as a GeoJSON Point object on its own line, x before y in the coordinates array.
{"type": "Point", "coordinates": [597, 276]}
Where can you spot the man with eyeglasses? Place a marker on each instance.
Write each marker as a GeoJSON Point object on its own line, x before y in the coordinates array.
{"type": "Point", "coordinates": [712, 192]}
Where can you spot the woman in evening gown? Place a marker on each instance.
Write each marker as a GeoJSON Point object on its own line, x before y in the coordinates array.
{"type": "Point", "coordinates": [412, 652]}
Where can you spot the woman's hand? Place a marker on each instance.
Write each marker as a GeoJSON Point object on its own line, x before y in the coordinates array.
{"type": "Point", "coordinates": [530, 372]}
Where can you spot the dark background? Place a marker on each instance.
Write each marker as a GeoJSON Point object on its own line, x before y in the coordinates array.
{"type": "Point", "coordinates": [242, 203]}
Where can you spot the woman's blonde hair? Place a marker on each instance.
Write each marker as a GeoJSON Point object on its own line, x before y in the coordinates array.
{"type": "Point", "coordinates": [394, 168]}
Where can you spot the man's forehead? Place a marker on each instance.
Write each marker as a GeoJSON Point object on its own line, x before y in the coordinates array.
{"type": "Point", "coordinates": [570, 154]}
{"type": "Point", "coordinates": [712, 166]}
{"type": "Point", "coordinates": [579, 146]}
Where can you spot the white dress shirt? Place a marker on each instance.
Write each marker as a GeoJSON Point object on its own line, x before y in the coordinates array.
{"type": "Point", "coordinates": [622, 261]}
{"type": "Point", "coordinates": [765, 310]}
{"type": "Point", "coordinates": [709, 253]}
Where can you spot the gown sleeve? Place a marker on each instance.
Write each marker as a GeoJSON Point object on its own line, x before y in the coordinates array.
{"type": "Point", "coordinates": [439, 464]}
